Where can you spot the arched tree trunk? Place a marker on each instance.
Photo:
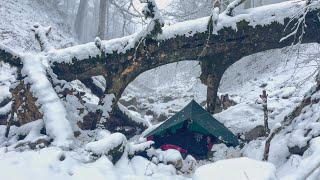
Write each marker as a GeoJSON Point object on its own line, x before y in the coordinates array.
{"type": "Point", "coordinates": [122, 60]}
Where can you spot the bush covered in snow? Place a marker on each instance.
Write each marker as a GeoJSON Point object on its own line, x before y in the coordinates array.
{"type": "Point", "coordinates": [112, 146]}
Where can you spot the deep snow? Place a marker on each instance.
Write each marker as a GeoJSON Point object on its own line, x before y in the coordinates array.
{"type": "Point", "coordinates": [286, 74]}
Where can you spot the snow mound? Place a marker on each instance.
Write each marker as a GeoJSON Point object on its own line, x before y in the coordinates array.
{"type": "Point", "coordinates": [133, 148]}
{"type": "Point", "coordinates": [171, 155]}
{"type": "Point", "coordinates": [106, 144]}
{"type": "Point", "coordinates": [240, 169]}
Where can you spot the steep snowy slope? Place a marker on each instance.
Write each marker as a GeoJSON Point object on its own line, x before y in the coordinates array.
{"type": "Point", "coordinates": [18, 17]}
{"type": "Point", "coordinates": [285, 74]}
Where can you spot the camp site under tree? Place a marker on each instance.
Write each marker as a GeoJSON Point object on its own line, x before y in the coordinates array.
{"type": "Point", "coordinates": [194, 130]}
{"type": "Point", "coordinates": [159, 89]}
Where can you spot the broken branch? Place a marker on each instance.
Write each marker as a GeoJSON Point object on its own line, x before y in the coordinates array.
{"type": "Point", "coordinates": [232, 6]}
{"type": "Point", "coordinates": [41, 35]}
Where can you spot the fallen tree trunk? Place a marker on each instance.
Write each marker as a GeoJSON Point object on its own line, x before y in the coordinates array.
{"type": "Point", "coordinates": [234, 37]}
{"type": "Point", "coordinates": [215, 45]}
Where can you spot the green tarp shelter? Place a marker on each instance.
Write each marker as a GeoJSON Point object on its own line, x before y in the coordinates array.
{"type": "Point", "coordinates": [199, 121]}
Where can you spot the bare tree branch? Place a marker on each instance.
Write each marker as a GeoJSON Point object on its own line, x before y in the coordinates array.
{"type": "Point", "coordinates": [232, 6]}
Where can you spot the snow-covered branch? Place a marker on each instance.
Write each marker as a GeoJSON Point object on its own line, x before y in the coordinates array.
{"type": "Point", "coordinates": [41, 34]}
{"type": "Point", "coordinates": [8, 55]}
{"type": "Point", "coordinates": [98, 43]}
{"type": "Point", "coordinates": [230, 8]}
{"type": "Point", "coordinates": [54, 114]}
{"type": "Point", "coordinates": [134, 148]}
{"type": "Point", "coordinates": [298, 28]}
{"type": "Point", "coordinates": [151, 11]}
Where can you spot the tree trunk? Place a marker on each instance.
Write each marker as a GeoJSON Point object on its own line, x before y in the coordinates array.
{"type": "Point", "coordinates": [79, 22]}
{"type": "Point", "coordinates": [248, 4]}
{"type": "Point", "coordinates": [268, 142]}
{"type": "Point", "coordinates": [102, 19]}
{"type": "Point", "coordinates": [264, 98]}
{"type": "Point", "coordinates": [213, 81]}
{"type": "Point", "coordinates": [8, 125]}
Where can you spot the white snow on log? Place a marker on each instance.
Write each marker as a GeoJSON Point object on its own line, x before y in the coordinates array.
{"type": "Point", "coordinates": [100, 82]}
{"type": "Point", "coordinates": [5, 109]}
{"type": "Point", "coordinates": [106, 144]}
{"type": "Point", "coordinates": [27, 128]}
{"type": "Point", "coordinates": [134, 117]}
{"type": "Point", "coordinates": [54, 113]}
{"type": "Point", "coordinates": [107, 105]}
{"type": "Point", "coordinates": [167, 156]}
{"type": "Point", "coordinates": [8, 50]}
{"type": "Point", "coordinates": [186, 28]}
{"type": "Point", "coordinates": [263, 15]}
{"type": "Point", "coordinates": [31, 131]}
{"type": "Point", "coordinates": [134, 148]}
{"type": "Point", "coordinates": [88, 96]}
{"type": "Point", "coordinates": [84, 51]}
{"type": "Point", "coordinates": [41, 34]}
{"type": "Point", "coordinates": [240, 169]}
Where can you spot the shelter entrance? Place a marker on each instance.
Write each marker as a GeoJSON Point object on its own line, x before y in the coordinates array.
{"type": "Point", "coordinates": [193, 142]}
{"type": "Point", "coordinates": [193, 129]}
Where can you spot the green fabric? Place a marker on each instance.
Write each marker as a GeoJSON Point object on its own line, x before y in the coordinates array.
{"type": "Point", "coordinates": [202, 122]}
{"type": "Point", "coordinates": [194, 127]}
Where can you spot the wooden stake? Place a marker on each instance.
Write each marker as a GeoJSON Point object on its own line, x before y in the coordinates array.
{"type": "Point", "coordinates": [264, 98]}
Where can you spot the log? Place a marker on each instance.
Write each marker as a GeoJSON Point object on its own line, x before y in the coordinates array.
{"type": "Point", "coordinates": [232, 38]}
{"type": "Point", "coordinates": [227, 46]}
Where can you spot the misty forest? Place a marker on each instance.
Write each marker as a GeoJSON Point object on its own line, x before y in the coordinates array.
{"type": "Point", "coordinates": [160, 89]}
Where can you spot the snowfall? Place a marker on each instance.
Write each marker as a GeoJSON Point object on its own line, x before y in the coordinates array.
{"type": "Point", "coordinates": [288, 75]}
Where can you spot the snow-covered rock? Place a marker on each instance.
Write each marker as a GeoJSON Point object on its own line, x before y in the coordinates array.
{"type": "Point", "coordinates": [134, 148]}
{"type": "Point", "coordinates": [112, 145]}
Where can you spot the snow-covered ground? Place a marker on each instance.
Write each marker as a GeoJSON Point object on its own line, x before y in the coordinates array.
{"type": "Point", "coordinates": [286, 74]}
{"type": "Point", "coordinates": [48, 164]}
{"type": "Point", "coordinates": [19, 16]}
{"type": "Point", "coordinates": [165, 90]}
